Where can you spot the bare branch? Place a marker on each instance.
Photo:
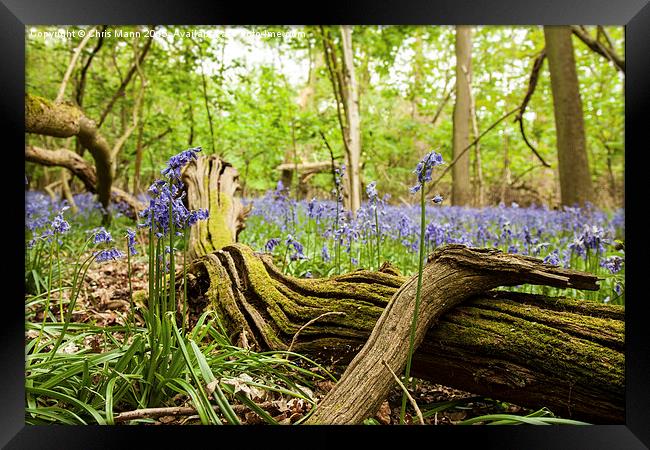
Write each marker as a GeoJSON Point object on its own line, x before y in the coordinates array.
{"type": "Point", "coordinates": [125, 82]}
{"type": "Point", "coordinates": [607, 52]}
{"type": "Point", "coordinates": [73, 62]}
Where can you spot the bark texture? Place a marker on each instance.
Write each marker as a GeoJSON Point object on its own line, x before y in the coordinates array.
{"type": "Point", "coordinates": [573, 164]}
{"type": "Point", "coordinates": [461, 191]}
{"type": "Point", "coordinates": [560, 353]}
{"type": "Point", "coordinates": [212, 184]}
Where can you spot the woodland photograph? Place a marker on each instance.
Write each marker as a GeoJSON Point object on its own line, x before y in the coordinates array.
{"type": "Point", "coordinates": [324, 225]}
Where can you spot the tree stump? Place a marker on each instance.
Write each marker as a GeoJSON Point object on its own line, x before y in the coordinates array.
{"type": "Point", "coordinates": [535, 351]}
{"type": "Point", "coordinates": [213, 184]}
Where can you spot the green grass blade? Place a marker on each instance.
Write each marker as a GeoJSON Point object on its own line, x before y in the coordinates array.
{"type": "Point", "coordinates": [109, 401]}
{"type": "Point", "coordinates": [68, 399]}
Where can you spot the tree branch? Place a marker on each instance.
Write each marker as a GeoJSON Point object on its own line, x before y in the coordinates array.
{"type": "Point", "coordinates": [81, 85]}
{"type": "Point", "coordinates": [605, 51]}
{"type": "Point", "coordinates": [471, 144]}
{"type": "Point", "coordinates": [125, 82]}
{"type": "Point", "coordinates": [73, 62]}
{"type": "Point", "coordinates": [532, 84]}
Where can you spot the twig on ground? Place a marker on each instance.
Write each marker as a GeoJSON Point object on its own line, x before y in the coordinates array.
{"type": "Point", "coordinates": [411, 399]}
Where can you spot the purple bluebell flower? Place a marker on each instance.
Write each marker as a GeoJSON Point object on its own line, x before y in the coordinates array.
{"type": "Point", "coordinates": [107, 255]}
{"type": "Point", "coordinates": [311, 208]}
{"type": "Point", "coordinates": [59, 224]}
{"type": "Point", "coordinates": [102, 236]}
{"type": "Point", "coordinates": [437, 199]}
{"type": "Point", "coordinates": [552, 258]}
{"type": "Point", "coordinates": [424, 168]}
{"type": "Point", "coordinates": [165, 195]}
{"type": "Point", "coordinates": [371, 190]}
{"type": "Point", "coordinates": [618, 288]}
{"type": "Point", "coordinates": [177, 162]}
{"type": "Point", "coordinates": [271, 244]}
{"type": "Point", "coordinates": [325, 254]}
{"type": "Point", "coordinates": [612, 263]}
{"type": "Point", "coordinates": [130, 238]}
{"type": "Point", "coordinates": [308, 274]}
{"type": "Point", "coordinates": [196, 215]}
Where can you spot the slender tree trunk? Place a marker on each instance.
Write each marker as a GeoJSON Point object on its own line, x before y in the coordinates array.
{"type": "Point", "coordinates": [506, 178]}
{"type": "Point", "coordinates": [67, 193]}
{"type": "Point", "coordinates": [354, 122]}
{"type": "Point", "coordinates": [461, 193]}
{"type": "Point", "coordinates": [190, 138]}
{"type": "Point", "coordinates": [138, 160]}
{"type": "Point", "coordinates": [573, 164]}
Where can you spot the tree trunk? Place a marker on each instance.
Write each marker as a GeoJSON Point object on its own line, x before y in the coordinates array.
{"type": "Point", "coordinates": [138, 159]}
{"type": "Point", "coordinates": [354, 123]}
{"type": "Point", "coordinates": [67, 193]}
{"type": "Point", "coordinates": [573, 164]}
{"type": "Point", "coordinates": [560, 353]}
{"type": "Point", "coordinates": [211, 184]}
{"type": "Point", "coordinates": [64, 120]}
{"type": "Point", "coordinates": [461, 192]}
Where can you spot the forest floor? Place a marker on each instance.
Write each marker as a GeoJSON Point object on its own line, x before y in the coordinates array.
{"type": "Point", "coordinates": [104, 301]}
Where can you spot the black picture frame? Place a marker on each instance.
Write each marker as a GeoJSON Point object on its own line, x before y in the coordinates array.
{"type": "Point", "coordinates": [634, 14]}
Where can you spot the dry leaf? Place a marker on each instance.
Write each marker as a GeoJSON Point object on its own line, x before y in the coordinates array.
{"type": "Point", "coordinates": [383, 415]}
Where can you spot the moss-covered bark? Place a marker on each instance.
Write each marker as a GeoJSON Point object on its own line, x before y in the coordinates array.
{"type": "Point", "coordinates": [561, 353]}
{"type": "Point", "coordinates": [212, 184]}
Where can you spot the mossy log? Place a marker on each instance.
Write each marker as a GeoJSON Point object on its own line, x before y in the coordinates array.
{"type": "Point", "coordinates": [213, 184]}
{"type": "Point", "coordinates": [561, 353]}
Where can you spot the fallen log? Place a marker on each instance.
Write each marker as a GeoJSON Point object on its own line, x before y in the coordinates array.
{"type": "Point", "coordinates": [560, 353]}
{"type": "Point", "coordinates": [84, 171]}
{"type": "Point", "coordinates": [310, 167]}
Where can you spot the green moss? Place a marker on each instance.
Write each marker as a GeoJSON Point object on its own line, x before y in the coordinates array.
{"type": "Point", "coordinates": [545, 348]}
{"type": "Point", "coordinates": [140, 297]}
{"type": "Point", "coordinates": [218, 227]}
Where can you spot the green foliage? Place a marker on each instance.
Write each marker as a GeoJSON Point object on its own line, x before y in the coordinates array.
{"type": "Point", "coordinates": [404, 73]}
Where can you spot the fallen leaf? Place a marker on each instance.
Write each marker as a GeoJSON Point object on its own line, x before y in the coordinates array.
{"type": "Point", "coordinates": [383, 415]}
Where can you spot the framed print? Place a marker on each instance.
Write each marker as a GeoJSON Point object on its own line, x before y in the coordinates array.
{"type": "Point", "coordinates": [409, 213]}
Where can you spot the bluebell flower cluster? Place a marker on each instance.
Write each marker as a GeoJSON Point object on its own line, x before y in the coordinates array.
{"type": "Point", "coordinates": [101, 236]}
{"type": "Point", "coordinates": [166, 194]}
{"type": "Point", "coordinates": [371, 191]}
{"type": "Point", "coordinates": [43, 228]}
{"type": "Point", "coordinates": [59, 225]}
{"type": "Point", "coordinates": [424, 169]}
{"type": "Point", "coordinates": [612, 263]}
{"type": "Point", "coordinates": [536, 231]}
{"type": "Point", "coordinates": [552, 258]}
{"type": "Point", "coordinates": [297, 248]}
{"type": "Point", "coordinates": [271, 244]}
{"type": "Point", "coordinates": [325, 254]}
{"type": "Point", "coordinates": [108, 255]}
{"type": "Point", "coordinates": [177, 162]}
